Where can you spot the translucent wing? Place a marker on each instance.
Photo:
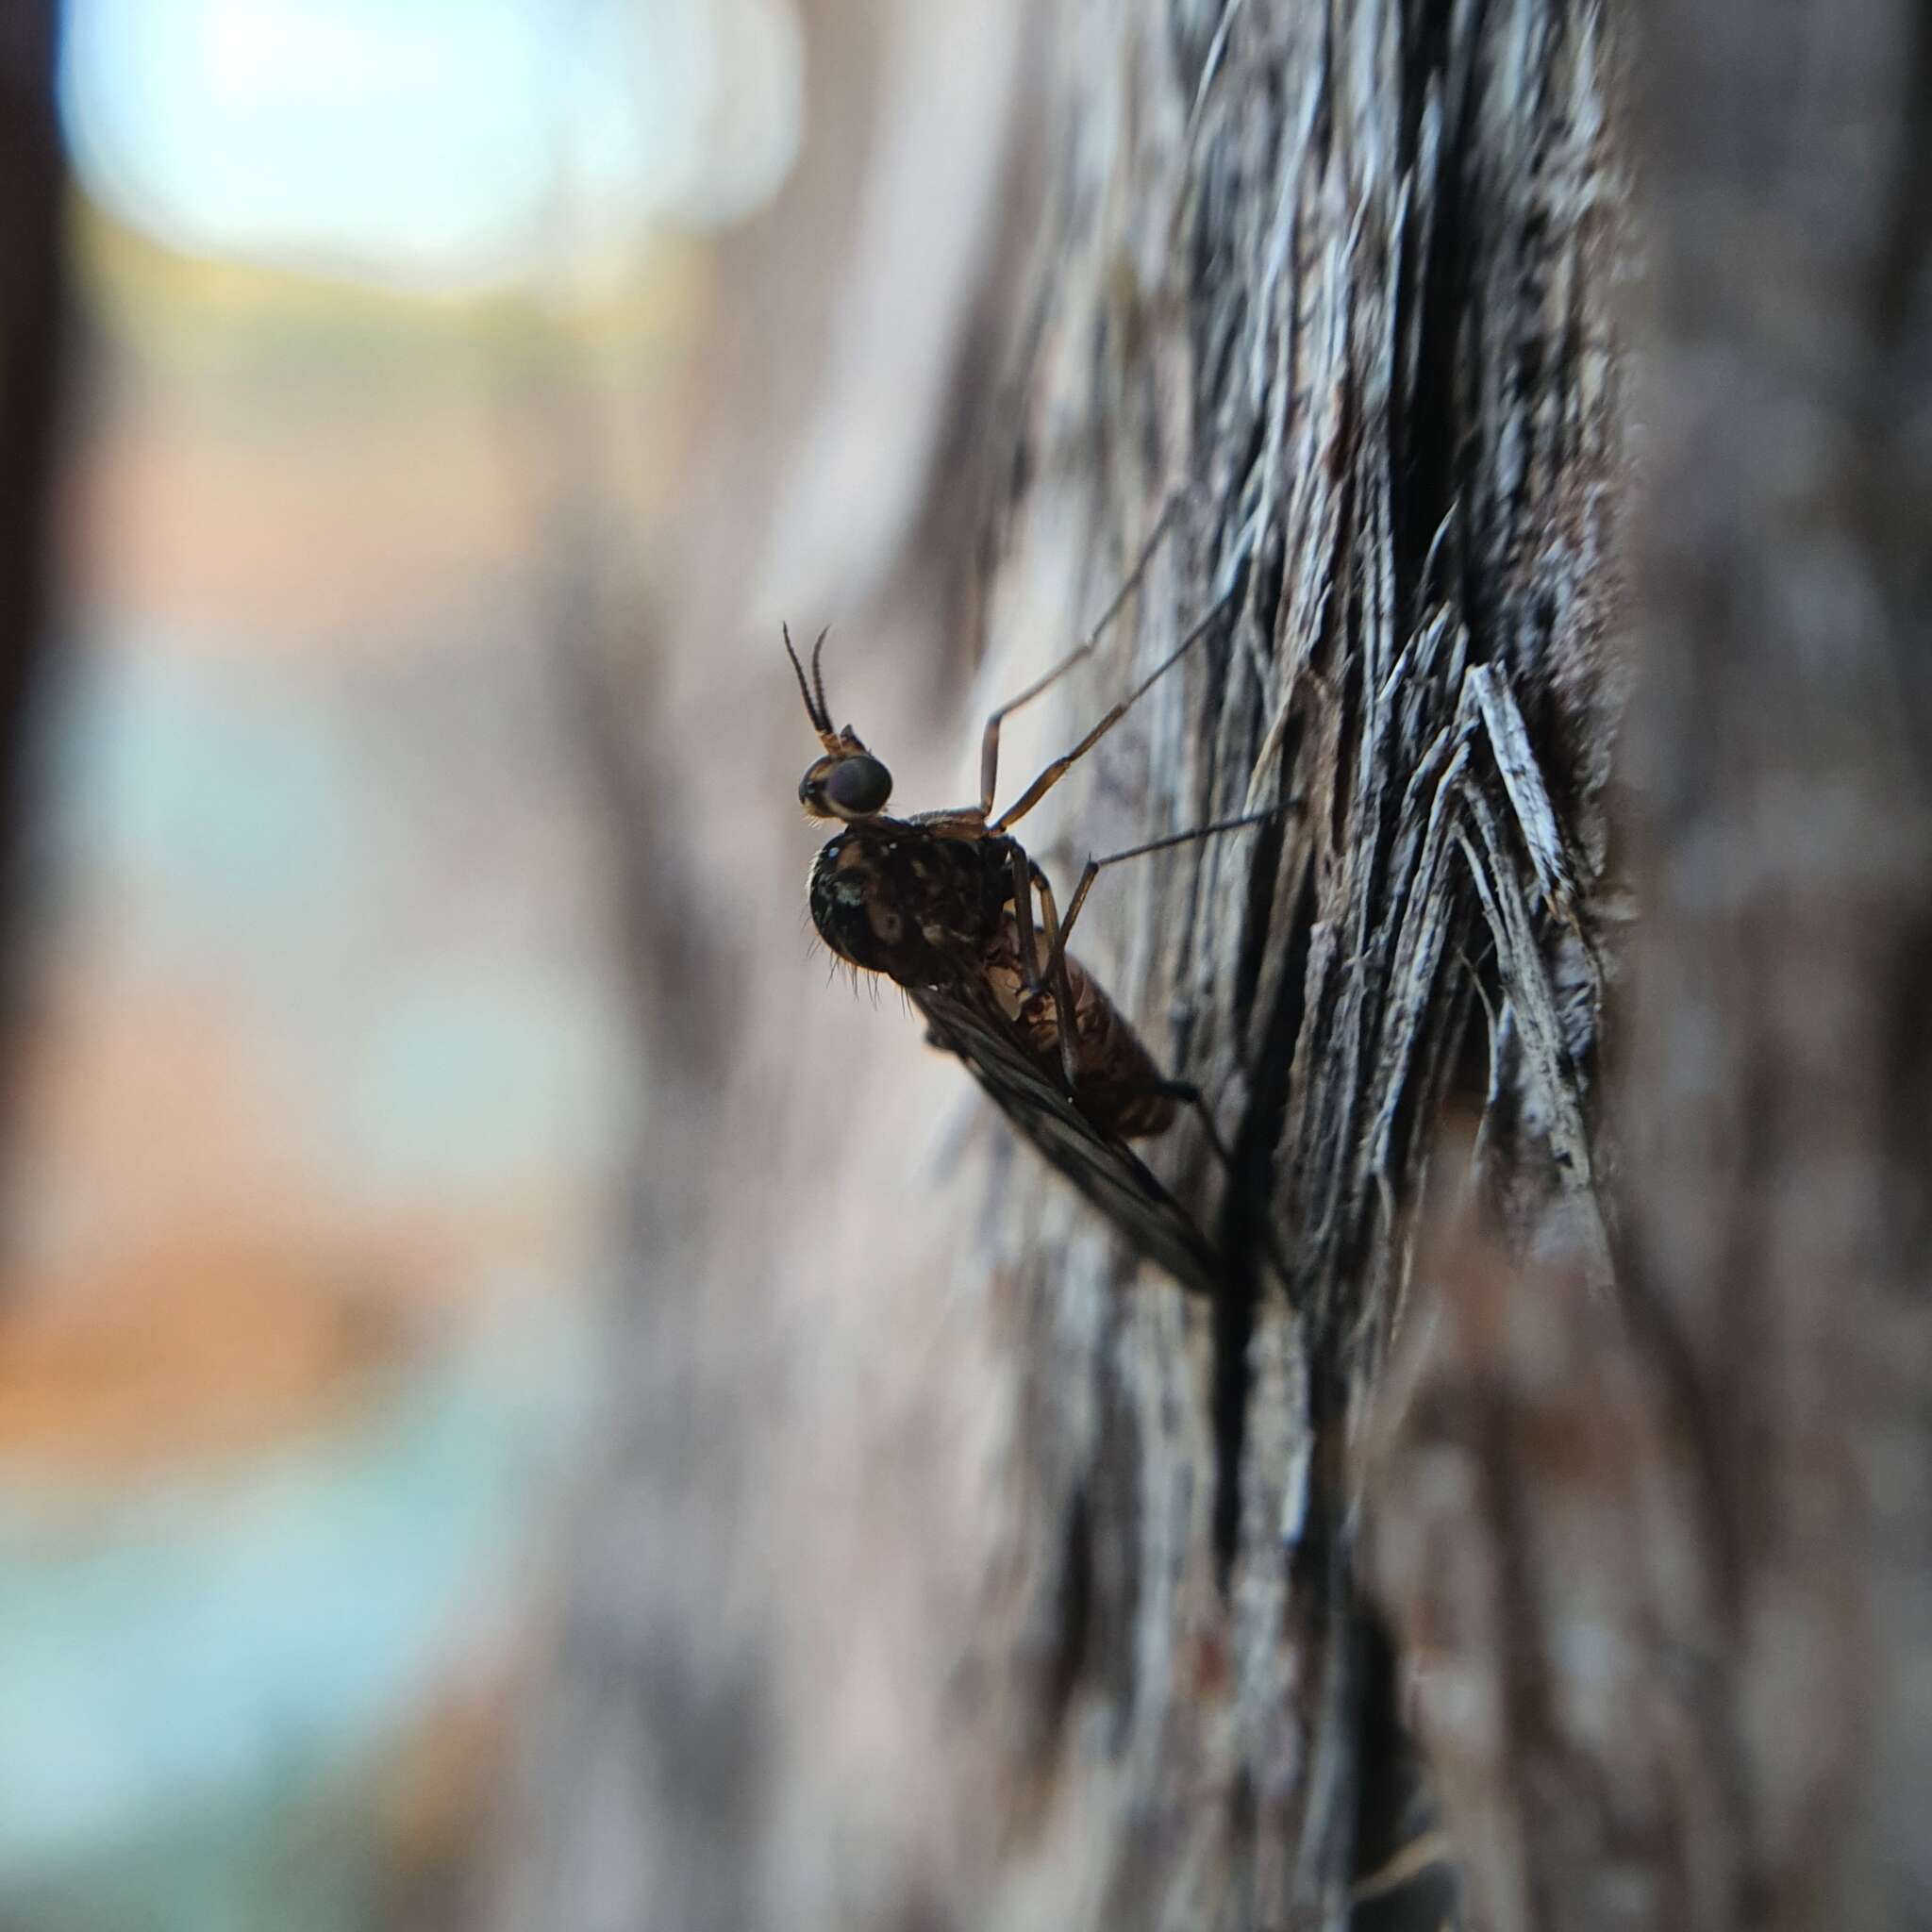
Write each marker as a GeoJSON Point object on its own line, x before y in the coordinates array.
{"type": "Point", "coordinates": [1102, 1168]}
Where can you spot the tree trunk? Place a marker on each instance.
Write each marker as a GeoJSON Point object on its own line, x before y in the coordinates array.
{"type": "Point", "coordinates": [1667, 1559]}
{"type": "Point", "coordinates": [33, 179]}
{"type": "Point", "coordinates": [955, 1568]}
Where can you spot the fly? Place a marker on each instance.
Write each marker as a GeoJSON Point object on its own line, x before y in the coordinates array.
{"type": "Point", "coordinates": [950, 906]}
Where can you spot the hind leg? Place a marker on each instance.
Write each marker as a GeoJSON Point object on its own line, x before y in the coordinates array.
{"type": "Point", "coordinates": [1094, 867]}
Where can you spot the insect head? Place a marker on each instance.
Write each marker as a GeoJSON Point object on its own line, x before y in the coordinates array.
{"type": "Point", "coordinates": [848, 782]}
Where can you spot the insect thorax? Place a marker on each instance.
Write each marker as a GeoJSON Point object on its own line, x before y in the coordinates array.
{"type": "Point", "coordinates": [893, 897]}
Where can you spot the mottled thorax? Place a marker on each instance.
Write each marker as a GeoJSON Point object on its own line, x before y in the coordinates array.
{"type": "Point", "coordinates": [893, 897]}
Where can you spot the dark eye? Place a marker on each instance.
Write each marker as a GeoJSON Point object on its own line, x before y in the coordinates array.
{"type": "Point", "coordinates": [859, 785]}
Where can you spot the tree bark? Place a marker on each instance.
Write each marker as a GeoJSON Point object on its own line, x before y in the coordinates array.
{"type": "Point", "coordinates": [1667, 1559]}
{"type": "Point", "coordinates": [1346, 281]}
{"type": "Point", "coordinates": [953, 1568]}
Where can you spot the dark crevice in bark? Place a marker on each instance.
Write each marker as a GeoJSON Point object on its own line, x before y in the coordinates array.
{"type": "Point", "coordinates": [1074, 1624]}
{"type": "Point", "coordinates": [1429, 436]}
{"type": "Point", "coordinates": [1898, 284]}
{"type": "Point", "coordinates": [1905, 981]}
{"type": "Point", "coordinates": [1234, 1333]}
{"type": "Point", "coordinates": [1116, 1583]}
{"type": "Point", "coordinates": [1256, 927]}
{"type": "Point", "coordinates": [1394, 1809]}
{"type": "Point", "coordinates": [1320, 1543]}
{"type": "Point", "coordinates": [1247, 1233]}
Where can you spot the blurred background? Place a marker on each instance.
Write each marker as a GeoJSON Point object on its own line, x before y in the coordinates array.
{"type": "Point", "coordinates": [400, 333]}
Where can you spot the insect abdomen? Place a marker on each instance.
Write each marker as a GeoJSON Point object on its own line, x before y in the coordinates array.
{"type": "Point", "coordinates": [1116, 1081]}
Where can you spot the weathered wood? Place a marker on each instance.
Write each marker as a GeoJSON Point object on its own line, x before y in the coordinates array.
{"type": "Point", "coordinates": [1347, 278]}
{"type": "Point", "coordinates": [1662, 1564]}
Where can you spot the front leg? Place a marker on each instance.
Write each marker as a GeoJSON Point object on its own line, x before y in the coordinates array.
{"type": "Point", "coordinates": [1045, 973]}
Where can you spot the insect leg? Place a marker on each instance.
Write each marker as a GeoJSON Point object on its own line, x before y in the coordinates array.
{"type": "Point", "coordinates": [1024, 871]}
{"type": "Point", "coordinates": [1056, 974]}
{"type": "Point", "coordinates": [989, 742]}
{"type": "Point", "coordinates": [1190, 1095]}
{"type": "Point", "coordinates": [1061, 765]}
{"type": "Point", "coordinates": [1094, 867]}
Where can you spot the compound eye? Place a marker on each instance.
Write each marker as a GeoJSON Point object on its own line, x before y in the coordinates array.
{"type": "Point", "coordinates": [859, 786]}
